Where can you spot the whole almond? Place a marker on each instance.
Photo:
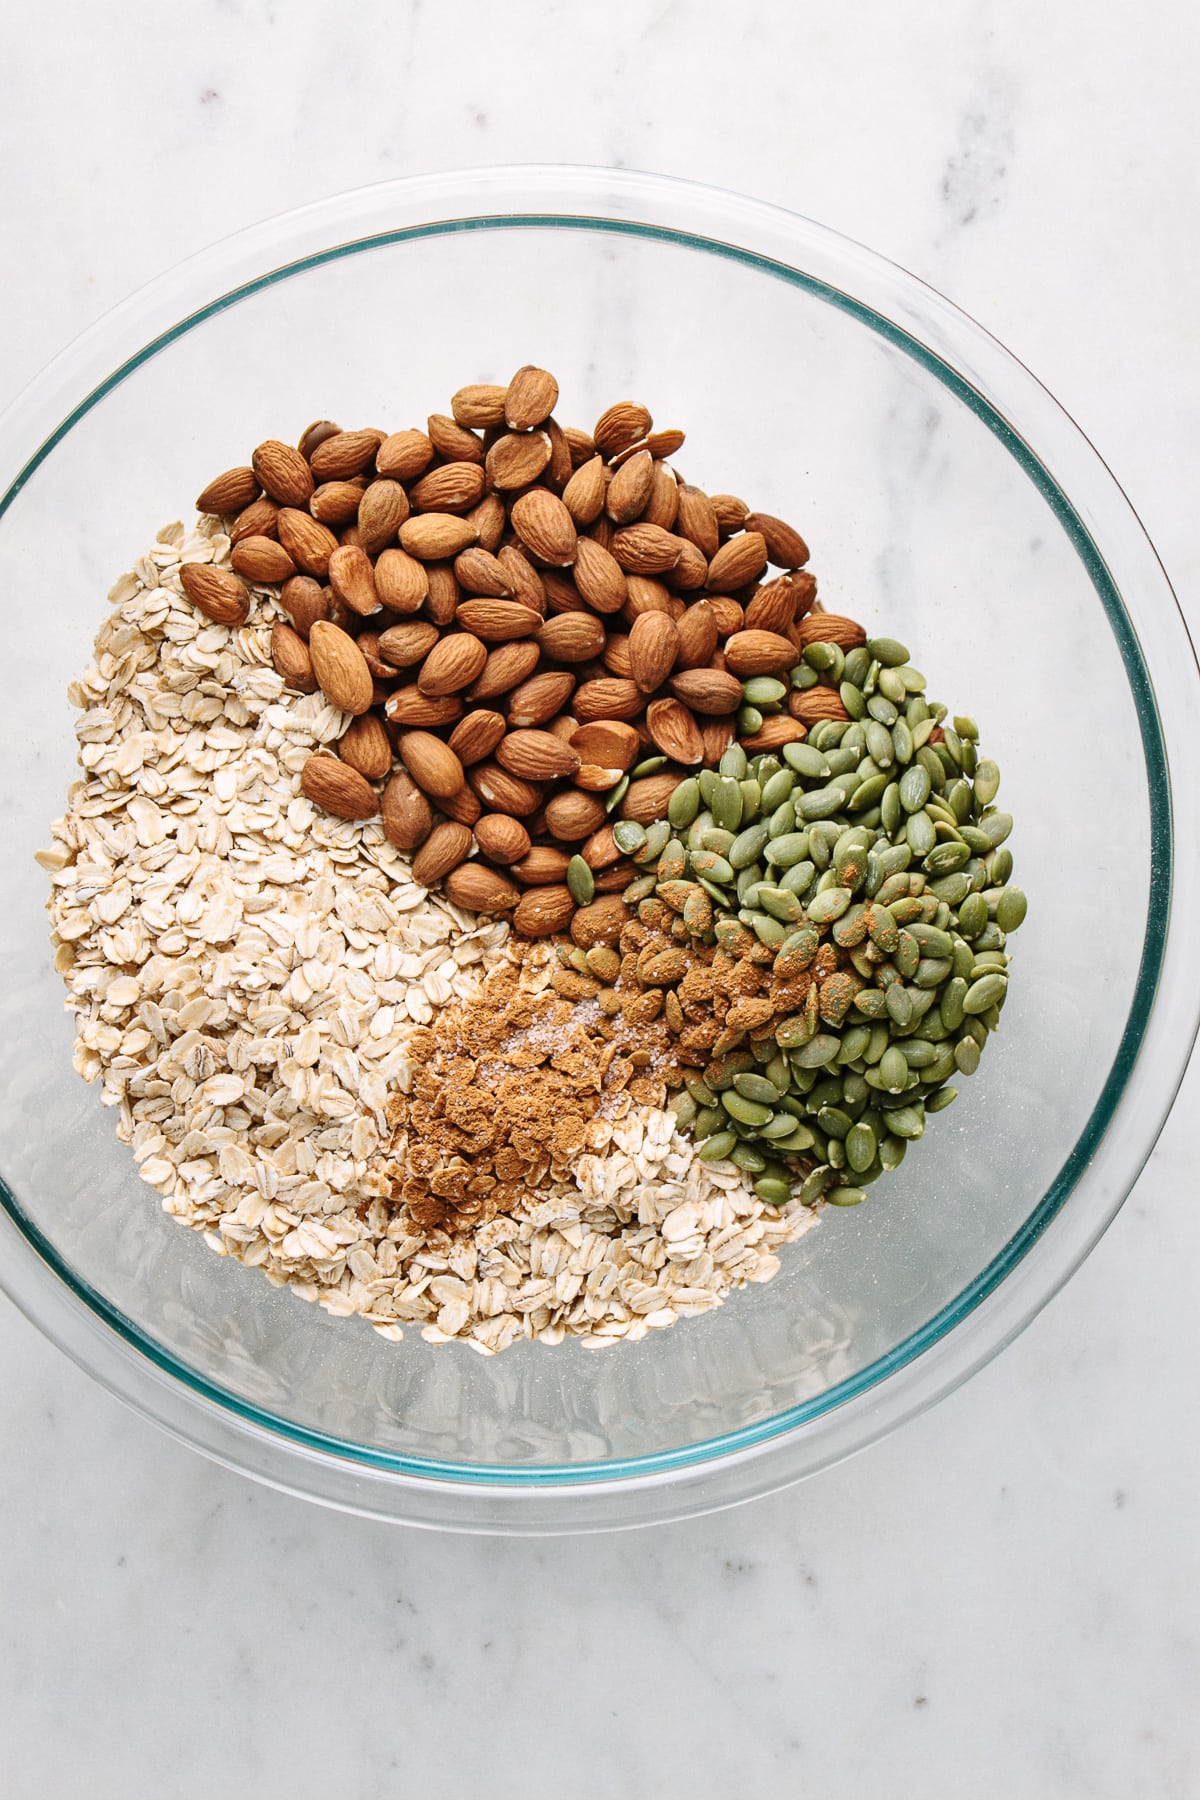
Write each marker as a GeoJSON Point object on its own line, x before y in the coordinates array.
{"type": "Point", "coordinates": [545, 527]}
{"type": "Point", "coordinates": [289, 653]}
{"type": "Point", "coordinates": [731, 512]}
{"type": "Point", "coordinates": [816, 703]}
{"type": "Point", "coordinates": [406, 813]}
{"type": "Point", "coordinates": [621, 425]}
{"type": "Point", "coordinates": [480, 889]}
{"type": "Point", "coordinates": [447, 845]}
{"type": "Point", "coordinates": [583, 495]}
{"type": "Point", "coordinates": [340, 668]}
{"type": "Point", "coordinates": [452, 664]}
{"type": "Point", "coordinates": [401, 582]}
{"type": "Point", "coordinates": [718, 734]}
{"type": "Point", "coordinates": [571, 637]}
{"type": "Point", "coordinates": [646, 800]}
{"type": "Point", "coordinates": [218, 593]}
{"type": "Point", "coordinates": [539, 698]}
{"type": "Point", "coordinates": [498, 621]}
{"type": "Point", "coordinates": [345, 453]}
{"type": "Point", "coordinates": [441, 602]}
{"type": "Point", "coordinates": [647, 549]}
{"type": "Point", "coordinates": [365, 746]}
{"type": "Point", "coordinates": [630, 489]}
{"type": "Point", "coordinates": [503, 792]}
{"type": "Point", "coordinates": [507, 666]}
{"type": "Point", "coordinates": [600, 923]}
{"type": "Point", "coordinates": [653, 649]}
{"type": "Point", "coordinates": [831, 628]}
{"type": "Point", "coordinates": [309, 543]}
{"type": "Point", "coordinates": [542, 866]}
{"type": "Point", "coordinates": [259, 519]}
{"type": "Point", "coordinates": [690, 572]}
{"type": "Point", "coordinates": [599, 578]}
{"type": "Point", "coordinates": [431, 763]}
{"type": "Point", "coordinates": [773, 608]}
{"type": "Point", "coordinates": [611, 698]}
{"type": "Point", "coordinates": [454, 487]}
{"type": "Point", "coordinates": [523, 578]}
{"type": "Point", "coordinates": [478, 406]}
{"type": "Point", "coordinates": [612, 743]}
{"type": "Point", "coordinates": [408, 706]}
{"type": "Point", "coordinates": [283, 472]}
{"type": "Point", "coordinates": [337, 788]}
{"type": "Point", "coordinates": [536, 755]}
{"type": "Point", "coordinates": [804, 585]}
{"type": "Point", "coordinates": [517, 458]}
{"type": "Point", "coordinates": [490, 521]}
{"type": "Point", "coordinates": [739, 560]}
{"type": "Point", "coordinates": [382, 511]}
{"type": "Point", "coordinates": [785, 547]}
{"type": "Point", "coordinates": [675, 731]}
{"type": "Point", "coordinates": [749, 653]}
{"type": "Point", "coordinates": [532, 396]}
{"type": "Point", "coordinates": [476, 735]}
{"type": "Point", "coordinates": [644, 594]}
{"type": "Point", "coordinates": [558, 469]}
{"type": "Point", "coordinates": [662, 508]}
{"type": "Point", "coordinates": [697, 629]}
{"type": "Point", "coordinates": [230, 492]}
{"type": "Point", "coordinates": [305, 601]}
{"type": "Point", "coordinates": [435, 536]}
{"type": "Point", "coordinates": [337, 502]}
{"type": "Point", "coordinates": [773, 733]}
{"type": "Point", "coordinates": [262, 559]}
{"type": "Point", "coordinates": [697, 521]}
{"type": "Point", "coordinates": [405, 645]}
{"type": "Point", "coordinates": [572, 815]}
{"type": "Point", "coordinates": [403, 455]}
{"type": "Point", "coordinates": [727, 612]}
{"type": "Point", "coordinates": [463, 806]}
{"type": "Point", "coordinates": [501, 838]}
{"type": "Point", "coordinates": [600, 850]}
{"type": "Point", "coordinates": [616, 659]}
{"type": "Point", "coordinates": [451, 441]}
{"type": "Point", "coordinates": [558, 586]}
{"type": "Point", "coordinates": [352, 578]}
{"type": "Point", "coordinates": [543, 911]}
{"type": "Point", "coordinates": [614, 880]}
{"type": "Point", "coordinates": [479, 572]}
{"type": "Point", "coordinates": [708, 691]}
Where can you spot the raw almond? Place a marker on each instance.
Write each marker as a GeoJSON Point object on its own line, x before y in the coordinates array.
{"type": "Point", "coordinates": [498, 621]}
{"type": "Point", "coordinates": [381, 669]}
{"type": "Point", "coordinates": [463, 806]}
{"type": "Point", "coordinates": [697, 521]}
{"type": "Point", "coordinates": [345, 453]}
{"type": "Point", "coordinates": [262, 559]}
{"type": "Point", "coordinates": [708, 691]}
{"type": "Point", "coordinates": [675, 731]}
{"type": "Point", "coordinates": [480, 889]}
{"type": "Point", "coordinates": [536, 755]}
{"type": "Point", "coordinates": [447, 845]}
{"type": "Point", "coordinates": [647, 549]}
{"type": "Point", "coordinates": [599, 577]}
{"type": "Point", "coordinates": [523, 578]}
{"type": "Point", "coordinates": [479, 572]}
{"type": "Point", "coordinates": [542, 866]}
{"type": "Point", "coordinates": [260, 519]}
{"type": "Point", "coordinates": [479, 406]}
{"type": "Point", "coordinates": [697, 630]}
{"type": "Point", "coordinates": [773, 732]}
{"type": "Point", "coordinates": [289, 653]}
{"type": "Point", "coordinates": [435, 536]}
{"type": "Point", "coordinates": [315, 434]}
{"type": "Point", "coordinates": [305, 601]}
{"type": "Point", "coordinates": [612, 743]}
{"type": "Point", "coordinates": [611, 698]}
{"type": "Point", "coordinates": [501, 838]}
{"type": "Point", "coordinates": [365, 746]}
{"type": "Point", "coordinates": [337, 502]}
{"type": "Point", "coordinates": [408, 706]}
{"type": "Point", "coordinates": [452, 664]}
{"type": "Point", "coordinates": [543, 911]}
{"type": "Point", "coordinates": [718, 734]}
{"type": "Point", "coordinates": [831, 628]}
{"type": "Point", "coordinates": [407, 818]}
{"type": "Point", "coordinates": [283, 472]}
{"type": "Point", "coordinates": [503, 792]}
{"type": "Point", "coordinates": [616, 658]}
{"type": "Point", "coordinates": [219, 594]}
{"type": "Point", "coordinates": [451, 441]}
{"type": "Point", "coordinates": [352, 578]}
{"type": "Point", "coordinates": [773, 608]}
{"type": "Point", "coordinates": [583, 495]}
{"type": "Point", "coordinates": [739, 560]}
{"type": "Point", "coordinates": [558, 469]}
{"type": "Point", "coordinates": [653, 649]}
{"type": "Point", "coordinates": [804, 586]}
{"type": "Point", "coordinates": [594, 778]}
{"type": "Point", "coordinates": [403, 646]}
{"type": "Point", "coordinates": [564, 726]}
{"type": "Point", "coordinates": [558, 585]}
{"type": "Point", "coordinates": [337, 788]}
{"type": "Point", "coordinates": [750, 653]}
{"type": "Point", "coordinates": [431, 763]}
{"type": "Point", "coordinates": [229, 492]}
{"type": "Point", "coordinates": [647, 799]}
{"type": "Point", "coordinates": [600, 851]}
{"type": "Point", "coordinates": [630, 489]}
{"type": "Point", "coordinates": [644, 594]}
{"type": "Point", "coordinates": [727, 612]}
{"type": "Point", "coordinates": [731, 512]}
{"type": "Point", "coordinates": [507, 666]}
{"type": "Point", "coordinates": [340, 668]}
{"type": "Point", "coordinates": [785, 547]}
{"type": "Point", "coordinates": [600, 923]}
{"type": "Point", "coordinates": [309, 543]}
{"type": "Point", "coordinates": [621, 425]}
{"type": "Point", "coordinates": [532, 396]}
{"type": "Point", "coordinates": [815, 704]}
{"type": "Point", "coordinates": [476, 736]}
{"type": "Point", "coordinates": [539, 698]}
{"type": "Point", "coordinates": [401, 582]}
{"type": "Point", "coordinates": [382, 511]}
{"type": "Point", "coordinates": [571, 637]}
{"type": "Point", "coordinates": [662, 508]}
{"type": "Point", "coordinates": [441, 602]}
{"type": "Point", "coordinates": [490, 521]}
{"type": "Point", "coordinates": [404, 455]}
{"type": "Point", "coordinates": [454, 487]}
{"type": "Point", "coordinates": [545, 527]}
{"type": "Point", "coordinates": [572, 815]}
{"type": "Point", "coordinates": [517, 458]}
{"type": "Point", "coordinates": [690, 572]}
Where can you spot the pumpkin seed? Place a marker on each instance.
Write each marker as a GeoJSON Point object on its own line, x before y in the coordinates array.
{"type": "Point", "coordinates": [984, 993]}
{"type": "Point", "coordinates": [1011, 909]}
{"type": "Point", "coordinates": [846, 1196]}
{"type": "Point", "coordinates": [807, 760]}
{"type": "Point", "coordinates": [717, 1147]}
{"type": "Point", "coordinates": [581, 882]}
{"type": "Point", "coordinates": [629, 836]}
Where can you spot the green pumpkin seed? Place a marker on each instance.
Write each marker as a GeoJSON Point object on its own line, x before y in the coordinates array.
{"type": "Point", "coordinates": [861, 1147]}
{"type": "Point", "coordinates": [984, 993]}
{"type": "Point", "coordinates": [905, 1122]}
{"type": "Point", "coordinates": [727, 804]}
{"type": "Point", "coordinates": [891, 686]}
{"type": "Point", "coordinates": [892, 1151]}
{"type": "Point", "coordinates": [763, 690]}
{"type": "Point", "coordinates": [767, 930]}
{"type": "Point", "coordinates": [853, 700]}
{"type": "Point", "coordinates": [799, 878]}
{"type": "Point", "coordinates": [683, 805]}
{"type": "Point", "coordinates": [819, 1051]}
{"type": "Point", "coordinates": [966, 1055]}
{"type": "Point", "coordinates": [807, 761]}
{"type": "Point", "coordinates": [747, 1157]}
{"type": "Point", "coordinates": [950, 1006]}
{"type": "Point", "coordinates": [747, 846]}
{"type": "Point", "coordinates": [780, 904]}
{"type": "Point", "coordinates": [640, 889]}
{"type": "Point", "coordinates": [752, 1086]}
{"type": "Point", "coordinates": [707, 864]}
{"type": "Point", "coordinates": [987, 781]}
{"type": "Point", "coordinates": [829, 905]}
{"type": "Point", "coordinates": [846, 1196]}
{"type": "Point", "coordinates": [581, 882]}
{"type": "Point", "coordinates": [1001, 866]}
{"type": "Point", "coordinates": [888, 652]}
{"type": "Point", "coordinates": [649, 765]}
{"type": "Point", "coordinates": [708, 1120]}
{"type": "Point", "coordinates": [945, 858]}
{"type": "Point", "coordinates": [997, 826]}
{"type": "Point", "coordinates": [944, 1097]}
{"type": "Point", "coordinates": [734, 764]}
{"type": "Point", "coordinates": [629, 836]}
{"type": "Point", "coordinates": [747, 1112]}
{"type": "Point", "coordinates": [893, 1070]}
{"type": "Point", "coordinates": [717, 1147]}
{"type": "Point", "coordinates": [899, 1004]}
{"type": "Point", "coordinates": [776, 789]}
{"type": "Point", "coordinates": [658, 836]}
{"type": "Point", "coordinates": [792, 847]}
{"type": "Point", "coordinates": [772, 1191]}
{"type": "Point", "coordinates": [915, 786]}
{"type": "Point", "coordinates": [1011, 909]}
{"type": "Point", "coordinates": [820, 803]}
{"type": "Point", "coordinates": [684, 1109]}
{"type": "Point", "coordinates": [616, 794]}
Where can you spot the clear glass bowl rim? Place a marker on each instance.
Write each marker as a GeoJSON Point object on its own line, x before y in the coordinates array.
{"type": "Point", "coordinates": [1163, 1019]}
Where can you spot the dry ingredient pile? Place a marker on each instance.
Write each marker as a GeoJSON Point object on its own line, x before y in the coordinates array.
{"type": "Point", "coordinates": [490, 903]}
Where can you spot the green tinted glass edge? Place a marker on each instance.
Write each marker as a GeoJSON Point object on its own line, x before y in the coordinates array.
{"type": "Point", "coordinates": [1149, 971]}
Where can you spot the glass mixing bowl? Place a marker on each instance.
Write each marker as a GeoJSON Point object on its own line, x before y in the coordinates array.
{"type": "Point", "coordinates": [948, 501]}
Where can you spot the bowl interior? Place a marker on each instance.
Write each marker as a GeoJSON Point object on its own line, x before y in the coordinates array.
{"type": "Point", "coordinates": [924, 521]}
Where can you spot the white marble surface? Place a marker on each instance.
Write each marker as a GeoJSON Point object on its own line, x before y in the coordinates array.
{"type": "Point", "coordinates": [1001, 1599]}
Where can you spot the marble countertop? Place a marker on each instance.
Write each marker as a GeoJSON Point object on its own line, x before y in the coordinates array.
{"type": "Point", "coordinates": [1001, 1598]}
